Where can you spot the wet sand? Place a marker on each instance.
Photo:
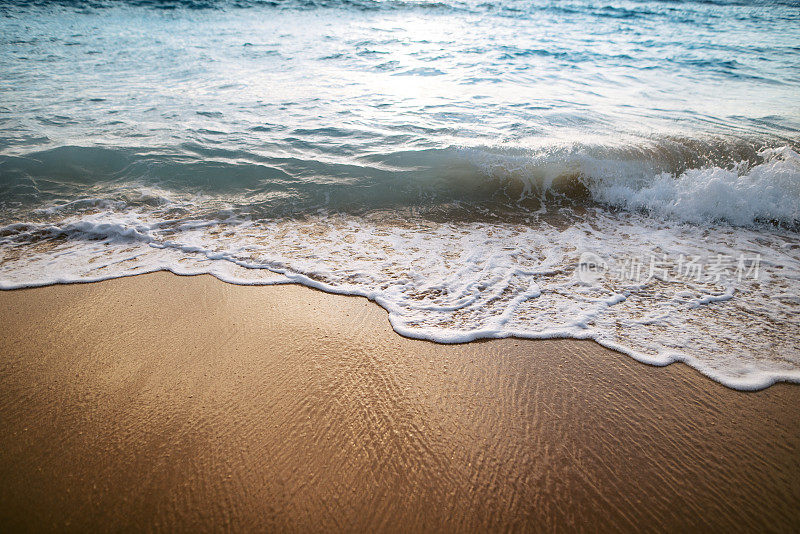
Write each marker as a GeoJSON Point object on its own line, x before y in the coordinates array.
{"type": "Point", "coordinates": [161, 402]}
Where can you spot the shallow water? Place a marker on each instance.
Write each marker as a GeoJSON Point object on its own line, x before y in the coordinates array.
{"type": "Point", "coordinates": [626, 172]}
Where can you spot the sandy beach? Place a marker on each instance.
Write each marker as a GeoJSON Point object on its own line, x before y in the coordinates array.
{"type": "Point", "coordinates": [161, 402]}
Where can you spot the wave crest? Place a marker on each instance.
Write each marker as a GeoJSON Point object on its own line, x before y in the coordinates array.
{"type": "Point", "coordinates": [740, 184]}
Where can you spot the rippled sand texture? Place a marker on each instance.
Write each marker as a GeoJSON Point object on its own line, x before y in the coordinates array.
{"type": "Point", "coordinates": [452, 160]}
{"type": "Point", "coordinates": [183, 403]}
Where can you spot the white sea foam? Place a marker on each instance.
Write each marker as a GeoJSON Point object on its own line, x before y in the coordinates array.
{"type": "Point", "coordinates": [456, 282]}
{"type": "Point", "coordinates": [742, 195]}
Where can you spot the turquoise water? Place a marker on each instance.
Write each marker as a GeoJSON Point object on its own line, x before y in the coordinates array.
{"type": "Point", "coordinates": [457, 162]}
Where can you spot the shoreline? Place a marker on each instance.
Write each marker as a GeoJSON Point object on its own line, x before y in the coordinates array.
{"type": "Point", "coordinates": [752, 382]}
{"type": "Point", "coordinates": [170, 402]}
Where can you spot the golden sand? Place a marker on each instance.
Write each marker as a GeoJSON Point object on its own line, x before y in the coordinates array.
{"type": "Point", "coordinates": [161, 402]}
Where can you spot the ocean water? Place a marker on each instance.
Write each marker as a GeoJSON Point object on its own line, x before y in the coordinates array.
{"type": "Point", "coordinates": [623, 171]}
